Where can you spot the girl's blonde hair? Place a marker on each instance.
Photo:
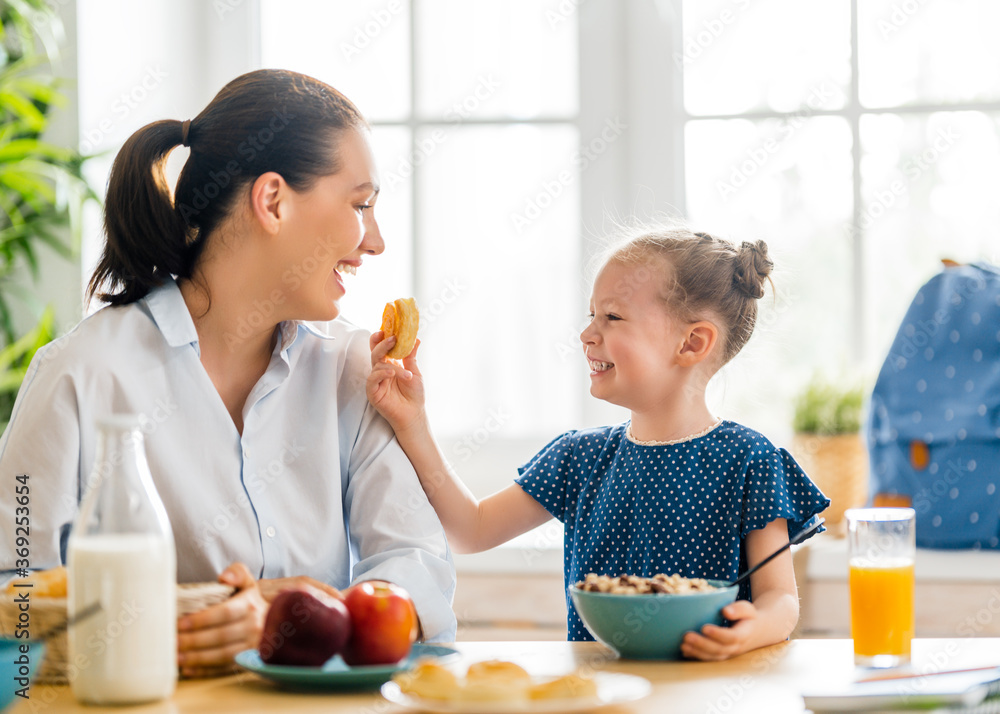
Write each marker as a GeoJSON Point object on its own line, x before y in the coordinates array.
{"type": "Point", "coordinates": [705, 278]}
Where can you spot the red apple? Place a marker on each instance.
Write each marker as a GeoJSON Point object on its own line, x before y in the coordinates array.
{"type": "Point", "coordinates": [383, 623]}
{"type": "Point", "coordinates": [304, 629]}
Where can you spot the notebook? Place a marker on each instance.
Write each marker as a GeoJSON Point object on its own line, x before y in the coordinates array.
{"type": "Point", "coordinates": [947, 691]}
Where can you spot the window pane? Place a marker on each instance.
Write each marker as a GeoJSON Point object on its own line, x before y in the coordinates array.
{"type": "Point", "coordinates": [929, 188]}
{"type": "Point", "coordinates": [499, 256]}
{"type": "Point", "coordinates": [513, 59]}
{"type": "Point", "coordinates": [789, 184]}
{"type": "Point", "coordinates": [780, 55]}
{"type": "Point", "coordinates": [383, 278]}
{"type": "Point", "coordinates": [360, 47]}
{"type": "Point", "coordinates": [928, 52]}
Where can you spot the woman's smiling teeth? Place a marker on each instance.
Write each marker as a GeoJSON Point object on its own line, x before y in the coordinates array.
{"type": "Point", "coordinates": [596, 366]}
{"type": "Point", "coordinates": [346, 268]}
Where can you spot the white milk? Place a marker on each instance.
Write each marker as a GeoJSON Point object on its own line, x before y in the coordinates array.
{"type": "Point", "coordinates": [128, 651]}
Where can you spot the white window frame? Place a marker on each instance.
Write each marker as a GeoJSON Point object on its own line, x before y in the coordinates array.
{"type": "Point", "coordinates": [861, 351]}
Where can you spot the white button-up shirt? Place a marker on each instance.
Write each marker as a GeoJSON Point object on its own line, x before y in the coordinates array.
{"type": "Point", "coordinates": [316, 485]}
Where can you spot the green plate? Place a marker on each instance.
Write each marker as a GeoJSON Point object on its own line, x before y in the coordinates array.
{"type": "Point", "coordinates": [335, 674]}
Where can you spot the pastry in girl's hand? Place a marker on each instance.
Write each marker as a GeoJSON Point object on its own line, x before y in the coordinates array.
{"type": "Point", "coordinates": [401, 319]}
{"type": "Point", "coordinates": [428, 680]}
{"type": "Point", "coordinates": [571, 686]}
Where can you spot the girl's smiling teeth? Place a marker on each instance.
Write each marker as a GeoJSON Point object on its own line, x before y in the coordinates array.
{"type": "Point", "coordinates": [346, 268]}
{"type": "Point", "coordinates": [596, 366]}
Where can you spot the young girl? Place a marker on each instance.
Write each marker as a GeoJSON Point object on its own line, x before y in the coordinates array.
{"type": "Point", "coordinates": [673, 490]}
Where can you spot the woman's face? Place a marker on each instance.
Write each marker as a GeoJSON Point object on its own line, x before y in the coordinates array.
{"type": "Point", "coordinates": [328, 229]}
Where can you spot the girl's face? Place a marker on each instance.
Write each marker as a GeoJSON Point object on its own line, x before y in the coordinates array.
{"type": "Point", "coordinates": [631, 340]}
{"type": "Point", "coordinates": [330, 228]}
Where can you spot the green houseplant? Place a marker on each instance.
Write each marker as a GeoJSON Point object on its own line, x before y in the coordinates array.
{"type": "Point", "coordinates": [828, 444]}
{"type": "Point", "coordinates": [827, 409]}
{"type": "Point", "coordinates": [42, 188]}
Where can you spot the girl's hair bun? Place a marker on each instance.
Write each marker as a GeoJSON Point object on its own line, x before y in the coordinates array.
{"type": "Point", "coordinates": [752, 268]}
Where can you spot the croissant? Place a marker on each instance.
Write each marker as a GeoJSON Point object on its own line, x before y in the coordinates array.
{"type": "Point", "coordinates": [429, 680]}
{"type": "Point", "coordinates": [401, 318]}
{"type": "Point", "coordinates": [497, 671]}
{"type": "Point", "coordinates": [571, 686]}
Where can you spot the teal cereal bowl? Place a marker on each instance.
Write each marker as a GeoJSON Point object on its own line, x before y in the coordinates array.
{"type": "Point", "coordinates": [19, 660]}
{"type": "Point", "coordinates": [650, 626]}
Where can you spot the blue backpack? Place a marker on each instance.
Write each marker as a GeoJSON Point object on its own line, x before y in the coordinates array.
{"type": "Point", "coordinates": [934, 421]}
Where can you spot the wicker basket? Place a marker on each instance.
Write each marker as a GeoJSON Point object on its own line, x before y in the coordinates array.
{"type": "Point", "coordinates": [839, 466]}
{"type": "Point", "coordinates": [47, 613]}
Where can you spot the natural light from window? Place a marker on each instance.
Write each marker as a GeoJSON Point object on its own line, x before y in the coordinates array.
{"type": "Point", "coordinates": [479, 207]}
{"type": "Point", "coordinates": [860, 196]}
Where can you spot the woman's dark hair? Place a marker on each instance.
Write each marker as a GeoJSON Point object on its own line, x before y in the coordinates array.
{"type": "Point", "coordinates": [267, 120]}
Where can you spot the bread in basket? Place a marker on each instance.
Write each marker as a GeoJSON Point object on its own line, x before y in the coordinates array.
{"type": "Point", "coordinates": [48, 610]}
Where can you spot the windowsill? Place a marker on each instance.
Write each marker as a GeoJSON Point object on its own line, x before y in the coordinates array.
{"type": "Point", "coordinates": [828, 561]}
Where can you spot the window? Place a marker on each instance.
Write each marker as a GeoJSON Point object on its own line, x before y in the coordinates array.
{"type": "Point", "coordinates": [473, 110]}
{"type": "Point", "coordinates": [860, 139]}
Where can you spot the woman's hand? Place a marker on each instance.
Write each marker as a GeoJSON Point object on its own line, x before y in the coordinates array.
{"type": "Point", "coordinates": [207, 641]}
{"type": "Point", "coordinates": [395, 389]}
{"type": "Point", "coordinates": [718, 643]}
{"type": "Point", "coordinates": [270, 588]}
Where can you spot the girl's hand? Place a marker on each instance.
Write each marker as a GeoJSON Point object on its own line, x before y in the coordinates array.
{"type": "Point", "coordinates": [207, 641]}
{"type": "Point", "coordinates": [718, 643]}
{"type": "Point", "coordinates": [395, 389]}
{"type": "Point", "coordinates": [772, 615]}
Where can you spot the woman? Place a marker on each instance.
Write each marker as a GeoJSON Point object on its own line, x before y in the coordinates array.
{"type": "Point", "coordinates": [258, 432]}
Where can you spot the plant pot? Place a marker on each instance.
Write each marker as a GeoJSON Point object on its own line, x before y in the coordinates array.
{"type": "Point", "coordinates": [838, 465]}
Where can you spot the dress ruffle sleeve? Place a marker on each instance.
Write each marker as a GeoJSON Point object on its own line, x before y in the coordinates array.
{"type": "Point", "coordinates": [775, 486]}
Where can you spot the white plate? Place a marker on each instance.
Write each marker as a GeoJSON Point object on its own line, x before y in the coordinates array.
{"type": "Point", "coordinates": [612, 688]}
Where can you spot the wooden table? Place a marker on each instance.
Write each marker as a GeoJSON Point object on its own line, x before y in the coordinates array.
{"type": "Point", "coordinates": [766, 680]}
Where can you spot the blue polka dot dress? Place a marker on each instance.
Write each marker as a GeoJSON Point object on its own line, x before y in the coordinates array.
{"type": "Point", "coordinates": [679, 508]}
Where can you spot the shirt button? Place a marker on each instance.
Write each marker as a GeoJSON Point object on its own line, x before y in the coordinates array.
{"type": "Point", "coordinates": [270, 531]}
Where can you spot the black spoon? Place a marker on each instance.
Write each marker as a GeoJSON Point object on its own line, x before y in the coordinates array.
{"type": "Point", "coordinates": [797, 538]}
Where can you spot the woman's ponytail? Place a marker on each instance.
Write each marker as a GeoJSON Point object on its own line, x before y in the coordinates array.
{"type": "Point", "coordinates": [147, 240]}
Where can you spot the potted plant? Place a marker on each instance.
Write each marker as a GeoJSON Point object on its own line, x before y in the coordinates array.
{"type": "Point", "coordinates": [42, 188]}
{"type": "Point", "coordinates": [829, 447]}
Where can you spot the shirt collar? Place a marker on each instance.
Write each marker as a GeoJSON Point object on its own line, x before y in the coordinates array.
{"type": "Point", "coordinates": [171, 314]}
{"type": "Point", "coordinates": [290, 330]}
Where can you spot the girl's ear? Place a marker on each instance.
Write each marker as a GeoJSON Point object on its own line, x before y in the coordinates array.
{"type": "Point", "coordinates": [267, 201]}
{"type": "Point", "coordinates": [699, 341]}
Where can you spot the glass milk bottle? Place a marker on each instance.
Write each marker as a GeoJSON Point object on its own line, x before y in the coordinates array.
{"type": "Point", "coordinates": [121, 554]}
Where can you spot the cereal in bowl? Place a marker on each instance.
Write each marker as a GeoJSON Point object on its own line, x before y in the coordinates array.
{"type": "Point", "coordinates": [659, 584]}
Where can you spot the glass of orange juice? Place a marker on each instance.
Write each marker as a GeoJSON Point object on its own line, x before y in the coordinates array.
{"type": "Point", "coordinates": [881, 553]}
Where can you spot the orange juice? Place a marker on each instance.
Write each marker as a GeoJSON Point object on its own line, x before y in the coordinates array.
{"type": "Point", "coordinates": [882, 609]}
